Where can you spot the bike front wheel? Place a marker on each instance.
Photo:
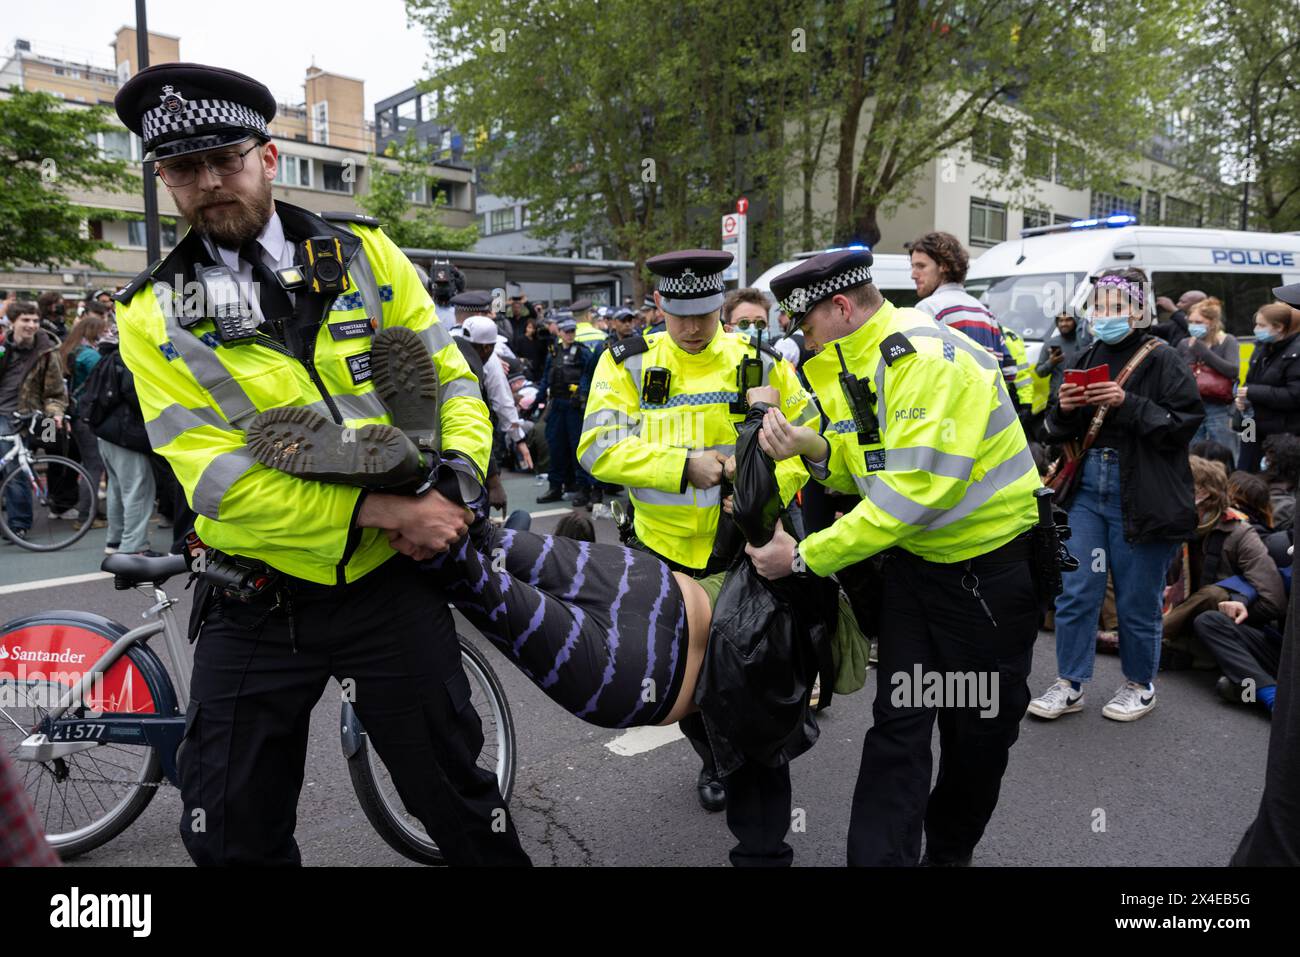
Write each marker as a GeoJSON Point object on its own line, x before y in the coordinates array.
{"type": "Point", "coordinates": [377, 794]}
{"type": "Point", "coordinates": [52, 507]}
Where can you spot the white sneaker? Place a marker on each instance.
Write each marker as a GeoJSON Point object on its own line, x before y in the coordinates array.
{"type": "Point", "coordinates": [1057, 700]}
{"type": "Point", "coordinates": [1131, 702]}
{"type": "Point", "coordinates": [110, 549]}
{"type": "Point", "coordinates": [70, 515]}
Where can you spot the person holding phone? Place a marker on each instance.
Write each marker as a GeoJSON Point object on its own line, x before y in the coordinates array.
{"type": "Point", "coordinates": [1062, 347]}
{"type": "Point", "coordinates": [1132, 503]}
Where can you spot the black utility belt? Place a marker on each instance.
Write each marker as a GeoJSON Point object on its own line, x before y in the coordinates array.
{"type": "Point", "coordinates": [1019, 549]}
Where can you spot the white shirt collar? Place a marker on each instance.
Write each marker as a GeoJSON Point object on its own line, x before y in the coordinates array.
{"type": "Point", "coordinates": [271, 239]}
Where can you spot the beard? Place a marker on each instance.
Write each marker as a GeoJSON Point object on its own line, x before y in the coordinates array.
{"type": "Point", "coordinates": [228, 219]}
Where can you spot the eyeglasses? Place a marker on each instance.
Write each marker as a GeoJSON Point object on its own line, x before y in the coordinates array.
{"type": "Point", "coordinates": [746, 324]}
{"type": "Point", "coordinates": [186, 172]}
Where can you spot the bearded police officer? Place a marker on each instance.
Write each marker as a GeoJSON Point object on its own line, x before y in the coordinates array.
{"type": "Point", "coordinates": [265, 305]}
{"type": "Point", "coordinates": [661, 419]}
{"type": "Point", "coordinates": [920, 424]}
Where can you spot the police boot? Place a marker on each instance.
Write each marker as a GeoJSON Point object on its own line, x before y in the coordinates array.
{"type": "Point", "coordinates": [306, 444]}
{"type": "Point", "coordinates": [406, 379]}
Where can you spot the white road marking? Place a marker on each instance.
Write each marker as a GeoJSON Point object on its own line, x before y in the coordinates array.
{"type": "Point", "coordinates": [52, 582]}
{"type": "Point", "coordinates": [640, 740]}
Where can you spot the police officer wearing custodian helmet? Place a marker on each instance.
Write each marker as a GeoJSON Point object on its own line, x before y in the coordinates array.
{"type": "Point", "coordinates": [919, 423]}
{"type": "Point", "coordinates": [331, 596]}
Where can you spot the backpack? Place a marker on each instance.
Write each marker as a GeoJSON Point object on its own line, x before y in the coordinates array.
{"type": "Point", "coordinates": [101, 392]}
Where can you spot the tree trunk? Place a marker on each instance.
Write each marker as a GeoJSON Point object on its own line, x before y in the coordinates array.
{"type": "Point", "coordinates": [866, 226]}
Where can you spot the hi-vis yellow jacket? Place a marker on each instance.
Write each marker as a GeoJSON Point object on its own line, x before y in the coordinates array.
{"type": "Point", "coordinates": [197, 396]}
{"type": "Point", "coordinates": [631, 442]}
{"type": "Point", "coordinates": [951, 477]}
{"type": "Point", "coordinates": [588, 334]}
{"type": "Point", "coordinates": [1024, 383]}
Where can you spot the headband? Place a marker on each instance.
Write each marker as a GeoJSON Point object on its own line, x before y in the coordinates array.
{"type": "Point", "coordinates": [1128, 286]}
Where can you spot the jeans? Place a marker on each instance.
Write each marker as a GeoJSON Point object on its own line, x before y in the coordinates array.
{"type": "Point", "coordinates": [1217, 427]}
{"type": "Point", "coordinates": [18, 494]}
{"type": "Point", "coordinates": [130, 496]}
{"type": "Point", "coordinates": [1138, 571]}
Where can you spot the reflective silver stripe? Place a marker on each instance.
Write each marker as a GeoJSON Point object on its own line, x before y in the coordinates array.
{"type": "Point", "coordinates": [1001, 417]}
{"type": "Point", "coordinates": [694, 497]}
{"type": "Point", "coordinates": [808, 414]}
{"type": "Point", "coordinates": [768, 363]}
{"type": "Point", "coordinates": [724, 449]}
{"type": "Point", "coordinates": [610, 418]}
{"type": "Point", "coordinates": [458, 387]}
{"type": "Point", "coordinates": [633, 365]}
{"type": "Point", "coordinates": [903, 509]}
{"type": "Point", "coordinates": [943, 333]}
{"type": "Point", "coordinates": [364, 278]}
{"type": "Point", "coordinates": [201, 359]}
{"type": "Point", "coordinates": [929, 460]}
{"type": "Point", "coordinates": [365, 406]}
{"type": "Point", "coordinates": [435, 337]}
{"type": "Point", "coordinates": [879, 379]}
{"type": "Point", "coordinates": [221, 473]}
{"type": "Point", "coordinates": [175, 420]}
{"type": "Point", "coordinates": [864, 483]}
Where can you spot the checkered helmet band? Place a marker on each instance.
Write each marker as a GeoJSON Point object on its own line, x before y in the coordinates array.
{"type": "Point", "coordinates": [803, 298]}
{"type": "Point", "coordinates": [197, 116]}
{"type": "Point", "coordinates": [690, 286]}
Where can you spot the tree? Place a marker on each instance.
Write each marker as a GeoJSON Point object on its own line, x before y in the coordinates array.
{"type": "Point", "coordinates": [47, 149]}
{"type": "Point", "coordinates": [388, 199]}
{"type": "Point", "coordinates": [1247, 104]}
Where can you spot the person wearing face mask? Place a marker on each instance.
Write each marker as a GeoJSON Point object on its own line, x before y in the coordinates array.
{"type": "Point", "coordinates": [1132, 503]}
{"type": "Point", "coordinates": [1212, 356]}
{"type": "Point", "coordinates": [1269, 402]}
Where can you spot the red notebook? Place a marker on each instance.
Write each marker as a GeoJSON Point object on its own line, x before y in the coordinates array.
{"type": "Point", "coordinates": [1087, 377]}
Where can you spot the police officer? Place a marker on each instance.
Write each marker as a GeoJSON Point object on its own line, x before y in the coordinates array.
{"type": "Point", "coordinates": [1016, 372]}
{"type": "Point", "coordinates": [586, 331]}
{"type": "Point", "coordinates": [661, 419]}
{"type": "Point", "coordinates": [561, 379]}
{"type": "Point", "coordinates": [238, 319]}
{"type": "Point", "coordinates": [920, 424]}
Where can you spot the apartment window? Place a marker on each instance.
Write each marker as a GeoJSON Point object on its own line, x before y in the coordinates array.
{"type": "Point", "coordinates": [988, 222]}
{"type": "Point", "coordinates": [1037, 217]}
{"type": "Point", "coordinates": [1038, 157]}
{"type": "Point", "coordinates": [1151, 207]}
{"type": "Point", "coordinates": [293, 171]}
{"type": "Point", "coordinates": [135, 235]}
{"type": "Point", "coordinates": [1179, 212]}
{"type": "Point", "coordinates": [416, 195]}
{"type": "Point", "coordinates": [525, 218]}
{"type": "Point", "coordinates": [116, 144]}
{"type": "Point", "coordinates": [406, 118]}
{"type": "Point", "coordinates": [1058, 218]}
{"type": "Point", "coordinates": [991, 143]}
{"type": "Point", "coordinates": [503, 220]}
{"type": "Point", "coordinates": [428, 107]}
{"type": "Point", "coordinates": [337, 178]}
{"type": "Point", "coordinates": [320, 122]}
{"type": "Point", "coordinates": [385, 124]}
{"type": "Point", "coordinates": [1070, 169]}
{"type": "Point", "coordinates": [1224, 212]}
{"type": "Point", "coordinates": [486, 224]}
{"type": "Point", "coordinates": [1108, 204]}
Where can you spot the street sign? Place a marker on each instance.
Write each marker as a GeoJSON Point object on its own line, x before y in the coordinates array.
{"type": "Point", "coordinates": [734, 241]}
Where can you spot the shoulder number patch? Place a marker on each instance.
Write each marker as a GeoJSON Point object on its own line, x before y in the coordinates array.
{"type": "Point", "coordinates": [894, 346]}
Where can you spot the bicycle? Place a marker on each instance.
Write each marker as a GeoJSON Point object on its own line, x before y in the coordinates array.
{"type": "Point", "coordinates": [28, 476]}
{"type": "Point", "coordinates": [115, 719]}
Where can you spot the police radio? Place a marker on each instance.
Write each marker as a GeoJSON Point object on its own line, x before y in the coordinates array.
{"type": "Point", "coordinates": [749, 375]}
{"type": "Point", "coordinates": [860, 399]}
{"type": "Point", "coordinates": [323, 269]}
{"type": "Point", "coordinates": [224, 305]}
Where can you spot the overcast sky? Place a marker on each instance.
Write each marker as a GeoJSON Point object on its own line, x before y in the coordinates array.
{"type": "Point", "coordinates": [272, 40]}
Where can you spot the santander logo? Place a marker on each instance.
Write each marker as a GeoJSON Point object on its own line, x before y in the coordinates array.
{"type": "Point", "coordinates": [59, 657]}
{"type": "Point", "coordinates": [4, 652]}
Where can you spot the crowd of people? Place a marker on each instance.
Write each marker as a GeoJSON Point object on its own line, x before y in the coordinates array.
{"type": "Point", "coordinates": [64, 388]}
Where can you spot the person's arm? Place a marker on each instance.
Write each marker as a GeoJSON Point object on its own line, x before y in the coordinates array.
{"type": "Point", "coordinates": [798, 408]}
{"type": "Point", "coordinates": [1170, 417]}
{"type": "Point", "coordinates": [1223, 358]}
{"type": "Point", "coordinates": [611, 448]}
{"type": "Point", "coordinates": [1255, 565]}
{"type": "Point", "coordinates": [54, 391]}
{"type": "Point", "coordinates": [502, 399]}
{"type": "Point", "coordinates": [1284, 397]}
{"type": "Point", "coordinates": [942, 448]}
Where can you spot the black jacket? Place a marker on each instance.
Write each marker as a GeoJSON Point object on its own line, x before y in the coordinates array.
{"type": "Point", "coordinates": [1151, 430]}
{"type": "Point", "coordinates": [1273, 386]}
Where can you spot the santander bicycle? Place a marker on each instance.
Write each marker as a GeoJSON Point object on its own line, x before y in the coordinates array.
{"type": "Point", "coordinates": [92, 718]}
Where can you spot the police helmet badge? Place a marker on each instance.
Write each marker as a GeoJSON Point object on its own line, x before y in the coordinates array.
{"type": "Point", "coordinates": [172, 101]}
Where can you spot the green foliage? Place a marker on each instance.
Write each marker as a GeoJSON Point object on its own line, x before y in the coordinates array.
{"type": "Point", "coordinates": [46, 150]}
{"type": "Point", "coordinates": [388, 200]}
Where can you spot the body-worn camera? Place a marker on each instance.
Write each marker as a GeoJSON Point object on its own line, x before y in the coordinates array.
{"type": "Point", "coordinates": [322, 265]}
{"type": "Point", "coordinates": [654, 390]}
{"type": "Point", "coordinates": [224, 305]}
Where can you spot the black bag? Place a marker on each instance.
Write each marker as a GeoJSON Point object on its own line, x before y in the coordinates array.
{"type": "Point", "coordinates": [101, 392]}
{"type": "Point", "coordinates": [114, 411]}
{"type": "Point", "coordinates": [756, 497]}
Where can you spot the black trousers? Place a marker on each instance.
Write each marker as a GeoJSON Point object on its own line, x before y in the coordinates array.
{"type": "Point", "coordinates": [930, 624]}
{"type": "Point", "coordinates": [1241, 651]}
{"type": "Point", "coordinates": [392, 639]}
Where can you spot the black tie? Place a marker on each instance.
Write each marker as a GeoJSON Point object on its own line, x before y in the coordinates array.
{"type": "Point", "coordinates": [275, 302]}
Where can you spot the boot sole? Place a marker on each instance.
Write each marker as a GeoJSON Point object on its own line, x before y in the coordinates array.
{"type": "Point", "coordinates": [308, 445]}
{"type": "Point", "coordinates": [403, 373]}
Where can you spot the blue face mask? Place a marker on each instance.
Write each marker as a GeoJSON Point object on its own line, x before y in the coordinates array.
{"type": "Point", "coordinates": [1197, 329]}
{"type": "Point", "coordinates": [1265, 335]}
{"type": "Point", "coordinates": [1111, 330]}
{"type": "Point", "coordinates": [750, 333]}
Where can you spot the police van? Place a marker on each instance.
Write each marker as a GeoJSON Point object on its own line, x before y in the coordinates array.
{"type": "Point", "coordinates": [1027, 282]}
{"type": "Point", "coordinates": [891, 272]}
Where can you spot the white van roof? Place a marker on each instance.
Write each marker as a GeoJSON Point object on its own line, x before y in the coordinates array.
{"type": "Point", "coordinates": [888, 271]}
{"type": "Point", "coordinates": [1152, 248]}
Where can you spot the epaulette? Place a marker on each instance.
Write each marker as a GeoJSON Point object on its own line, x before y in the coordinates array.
{"type": "Point", "coordinates": [894, 346]}
{"type": "Point", "coordinates": [764, 347]}
{"type": "Point", "coordinates": [130, 289]}
{"type": "Point", "coordinates": [631, 346]}
{"type": "Point", "coordinates": [344, 217]}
